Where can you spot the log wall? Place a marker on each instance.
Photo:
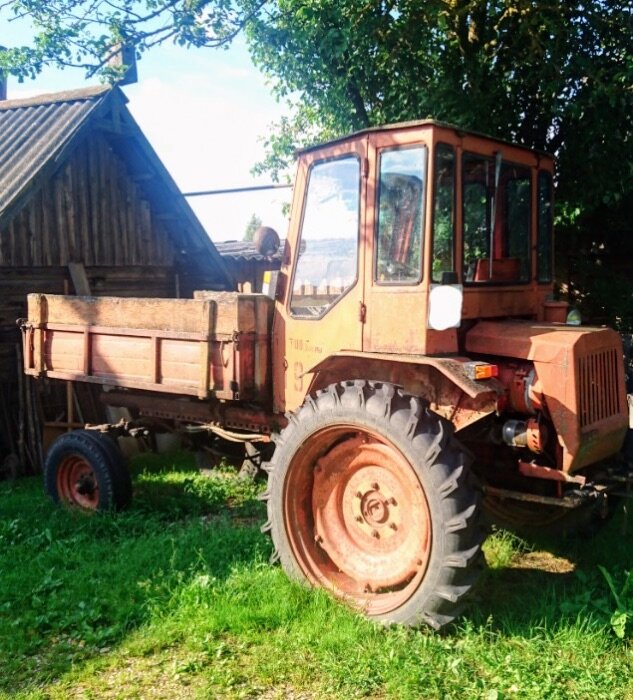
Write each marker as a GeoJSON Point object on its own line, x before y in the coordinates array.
{"type": "Point", "coordinates": [92, 211]}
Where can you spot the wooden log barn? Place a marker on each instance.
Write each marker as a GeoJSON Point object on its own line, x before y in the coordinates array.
{"type": "Point", "coordinates": [86, 207]}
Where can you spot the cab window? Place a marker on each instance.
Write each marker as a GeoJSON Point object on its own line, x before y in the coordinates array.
{"type": "Point", "coordinates": [328, 245]}
{"type": "Point", "coordinates": [401, 188]}
{"type": "Point", "coordinates": [544, 239]}
{"type": "Point", "coordinates": [496, 200]}
{"type": "Point", "coordinates": [443, 212]}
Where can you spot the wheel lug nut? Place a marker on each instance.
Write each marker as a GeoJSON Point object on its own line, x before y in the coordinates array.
{"type": "Point", "coordinates": [393, 526]}
{"type": "Point", "coordinates": [367, 589]}
{"type": "Point", "coordinates": [318, 539]}
{"type": "Point", "coordinates": [392, 501]}
{"type": "Point", "coordinates": [359, 494]}
{"type": "Point", "coordinates": [375, 534]}
{"type": "Point", "coordinates": [359, 518]}
{"type": "Point", "coordinates": [376, 486]}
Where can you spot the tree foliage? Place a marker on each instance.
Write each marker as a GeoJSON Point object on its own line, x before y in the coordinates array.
{"type": "Point", "coordinates": [86, 33]}
{"type": "Point", "coordinates": [553, 76]}
{"type": "Point", "coordinates": [253, 224]}
{"type": "Point", "coordinates": [556, 76]}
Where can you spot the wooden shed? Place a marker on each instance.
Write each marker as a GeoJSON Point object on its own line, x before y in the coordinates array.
{"type": "Point", "coordinates": [247, 265]}
{"type": "Point", "coordinates": [87, 206]}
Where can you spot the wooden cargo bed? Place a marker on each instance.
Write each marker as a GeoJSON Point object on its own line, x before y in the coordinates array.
{"type": "Point", "coordinates": [215, 345]}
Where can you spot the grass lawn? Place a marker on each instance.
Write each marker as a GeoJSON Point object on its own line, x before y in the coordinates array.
{"type": "Point", "coordinates": [174, 599]}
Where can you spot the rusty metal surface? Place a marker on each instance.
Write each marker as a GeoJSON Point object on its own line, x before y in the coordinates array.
{"type": "Point", "coordinates": [370, 514]}
{"type": "Point", "coordinates": [441, 381]}
{"type": "Point", "coordinates": [77, 483]}
{"type": "Point", "coordinates": [536, 471]}
{"type": "Point", "coordinates": [562, 502]}
{"type": "Point", "coordinates": [373, 317]}
{"type": "Point", "coordinates": [230, 415]}
{"type": "Point", "coordinates": [579, 381]}
{"type": "Point", "coordinates": [357, 518]}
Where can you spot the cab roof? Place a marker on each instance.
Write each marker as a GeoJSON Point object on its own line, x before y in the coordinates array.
{"type": "Point", "coordinates": [417, 124]}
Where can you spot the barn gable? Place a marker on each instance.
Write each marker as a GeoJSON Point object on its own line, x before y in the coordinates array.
{"type": "Point", "coordinates": [79, 182]}
{"type": "Point", "coordinates": [84, 203]}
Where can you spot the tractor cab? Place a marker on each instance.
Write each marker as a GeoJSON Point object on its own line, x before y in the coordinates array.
{"type": "Point", "coordinates": [403, 235]}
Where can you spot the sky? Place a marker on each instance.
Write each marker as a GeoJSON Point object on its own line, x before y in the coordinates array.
{"type": "Point", "coordinates": [205, 112]}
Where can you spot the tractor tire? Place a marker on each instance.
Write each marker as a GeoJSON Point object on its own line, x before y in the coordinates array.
{"type": "Point", "coordinates": [86, 470]}
{"type": "Point", "coordinates": [371, 497]}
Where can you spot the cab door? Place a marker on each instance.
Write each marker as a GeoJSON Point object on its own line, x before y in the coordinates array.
{"type": "Point", "coordinates": [396, 294]}
{"type": "Point", "coordinates": [320, 309]}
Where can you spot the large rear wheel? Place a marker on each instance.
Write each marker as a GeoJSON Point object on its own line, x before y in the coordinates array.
{"type": "Point", "coordinates": [371, 497]}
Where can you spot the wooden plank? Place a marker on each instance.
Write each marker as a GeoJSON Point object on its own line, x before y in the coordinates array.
{"type": "Point", "coordinates": [144, 230]}
{"type": "Point", "coordinates": [12, 242]}
{"type": "Point", "coordinates": [34, 229]}
{"type": "Point", "coordinates": [94, 204]}
{"type": "Point", "coordinates": [79, 279]}
{"type": "Point", "coordinates": [83, 206]}
{"type": "Point", "coordinates": [69, 213]}
{"type": "Point", "coordinates": [107, 257]}
{"type": "Point", "coordinates": [61, 234]}
{"type": "Point", "coordinates": [177, 315]}
{"type": "Point", "coordinates": [110, 165]}
{"type": "Point", "coordinates": [45, 207]}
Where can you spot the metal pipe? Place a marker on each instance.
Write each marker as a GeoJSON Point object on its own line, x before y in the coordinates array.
{"type": "Point", "coordinates": [235, 190]}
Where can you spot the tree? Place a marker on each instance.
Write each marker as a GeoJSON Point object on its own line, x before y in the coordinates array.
{"type": "Point", "coordinates": [87, 33]}
{"type": "Point", "coordinates": [550, 75]}
{"type": "Point", "coordinates": [553, 76]}
{"type": "Point", "coordinates": [252, 226]}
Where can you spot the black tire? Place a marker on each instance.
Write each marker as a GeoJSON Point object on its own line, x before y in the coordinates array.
{"type": "Point", "coordinates": [347, 460]}
{"type": "Point", "coordinates": [86, 470]}
{"type": "Point", "coordinates": [120, 473]}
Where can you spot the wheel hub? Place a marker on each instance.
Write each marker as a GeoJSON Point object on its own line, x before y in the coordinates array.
{"type": "Point", "coordinates": [375, 510]}
{"type": "Point", "coordinates": [86, 485]}
{"type": "Point", "coordinates": [77, 483]}
{"type": "Point", "coordinates": [370, 514]}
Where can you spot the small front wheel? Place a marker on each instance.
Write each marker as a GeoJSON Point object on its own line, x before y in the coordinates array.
{"type": "Point", "coordinates": [371, 497]}
{"type": "Point", "coordinates": [86, 470]}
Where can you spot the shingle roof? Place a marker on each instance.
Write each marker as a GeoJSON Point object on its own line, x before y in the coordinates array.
{"type": "Point", "coordinates": [34, 131]}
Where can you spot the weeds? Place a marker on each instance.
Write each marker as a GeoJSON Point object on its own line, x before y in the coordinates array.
{"type": "Point", "coordinates": [175, 599]}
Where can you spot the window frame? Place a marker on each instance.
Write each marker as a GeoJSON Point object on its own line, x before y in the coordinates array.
{"type": "Point", "coordinates": [550, 179]}
{"type": "Point", "coordinates": [453, 150]}
{"type": "Point", "coordinates": [422, 146]}
{"type": "Point", "coordinates": [352, 155]}
{"type": "Point", "coordinates": [512, 164]}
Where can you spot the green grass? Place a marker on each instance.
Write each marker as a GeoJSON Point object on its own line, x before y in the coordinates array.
{"type": "Point", "coordinates": [174, 599]}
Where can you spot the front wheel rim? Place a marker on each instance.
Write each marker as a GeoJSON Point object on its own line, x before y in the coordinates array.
{"type": "Point", "coordinates": [357, 518]}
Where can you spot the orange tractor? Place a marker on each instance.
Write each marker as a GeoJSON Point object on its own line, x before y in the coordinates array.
{"type": "Point", "coordinates": [411, 375]}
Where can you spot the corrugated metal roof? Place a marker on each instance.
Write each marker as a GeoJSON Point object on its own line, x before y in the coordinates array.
{"type": "Point", "coordinates": [244, 250]}
{"type": "Point", "coordinates": [33, 132]}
